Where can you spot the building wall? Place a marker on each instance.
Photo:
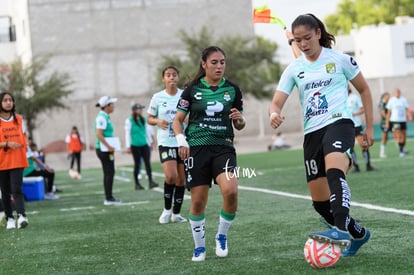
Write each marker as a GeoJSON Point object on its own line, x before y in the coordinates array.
{"type": "Point", "coordinates": [112, 47]}
{"type": "Point", "coordinates": [380, 50]}
{"type": "Point", "coordinates": [17, 10]}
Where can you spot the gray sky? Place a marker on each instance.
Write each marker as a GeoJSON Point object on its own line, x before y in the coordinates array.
{"type": "Point", "coordinates": [288, 10]}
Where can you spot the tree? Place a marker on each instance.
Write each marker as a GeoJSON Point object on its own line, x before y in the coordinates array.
{"type": "Point", "coordinates": [358, 13]}
{"type": "Point", "coordinates": [34, 89]}
{"type": "Point", "coordinates": [250, 61]}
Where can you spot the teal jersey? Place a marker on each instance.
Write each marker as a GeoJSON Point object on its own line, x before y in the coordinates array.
{"type": "Point", "coordinates": [104, 123]}
{"type": "Point", "coordinates": [32, 165]}
{"type": "Point", "coordinates": [137, 131]}
{"type": "Point", "coordinates": [209, 109]}
{"type": "Point", "coordinates": [322, 87]}
{"type": "Point", "coordinates": [164, 106]}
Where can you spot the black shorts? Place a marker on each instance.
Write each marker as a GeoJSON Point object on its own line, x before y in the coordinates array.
{"type": "Point", "coordinates": [207, 162]}
{"type": "Point", "coordinates": [384, 128]}
{"type": "Point", "coordinates": [169, 153]}
{"type": "Point", "coordinates": [398, 126]}
{"type": "Point", "coordinates": [337, 137]}
{"type": "Point", "coordinates": [359, 131]}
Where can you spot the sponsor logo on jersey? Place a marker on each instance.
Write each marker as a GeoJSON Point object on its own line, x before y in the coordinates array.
{"type": "Point", "coordinates": [337, 144]}
{"type": "Point", "coordinates": [214, 107]}
{"type": "Point", "coordinates": [183, 104]}
{"type": "Point", "coordinates": [226, 96]}
{"type": "Point", "coordinates": [198, 96]}
{"type": "Point", "coordinates": [301, 75]}
{"type": "Point", "coordinates": [330, 68]}
{"type": "Point", "coordinates": [164, 104]}
{"type": "Point", "coordinates": [318, 84]}
{"type": "Point", "coordinates": [317, 105]}
{"type": "Point", "coordinates": [353, 62]}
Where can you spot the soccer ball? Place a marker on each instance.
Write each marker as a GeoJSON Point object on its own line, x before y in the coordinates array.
{"type": "Point", "coordinates": [321, 255]}
{"type": "Point", "coordinates": [74, 175]}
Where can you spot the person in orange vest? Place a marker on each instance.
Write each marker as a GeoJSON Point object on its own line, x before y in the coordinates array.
{"type": "Point", "coordinates": [75, 145]}
{"type": "Point", "coordinates": [13, 160]}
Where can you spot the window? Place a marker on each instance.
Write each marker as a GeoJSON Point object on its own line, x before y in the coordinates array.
{"type": "Point", "coordinates": [409, 50]}
{"type": "Point", "coordinates": [7, 30]}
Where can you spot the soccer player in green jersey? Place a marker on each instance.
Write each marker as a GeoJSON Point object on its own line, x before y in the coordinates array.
{"type": "Point", "coordinates": [214, 106]}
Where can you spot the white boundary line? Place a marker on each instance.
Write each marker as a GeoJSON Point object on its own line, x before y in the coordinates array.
{"type": "Point", "coordinates": [296, 196]}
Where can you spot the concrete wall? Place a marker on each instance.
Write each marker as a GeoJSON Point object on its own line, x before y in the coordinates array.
{"type": "Point", "coordinates": [112, 47]}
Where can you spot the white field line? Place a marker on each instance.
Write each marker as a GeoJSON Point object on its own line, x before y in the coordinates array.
{"type": "Point", "coordinates": [296, 196]}
{"type": "Point", "coordinates": [93, 207]}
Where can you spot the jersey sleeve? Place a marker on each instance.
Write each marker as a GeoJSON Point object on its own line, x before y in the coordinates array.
{"type": "Point", "coordinates": [184, 102]}
{"type": "Point", "coordinates": [100, 123]}
{"type": "Point", "coordinates": [238, 101]}
{"type": "Point", "coordinates": [152, 108]}
{"type": "Point", "coordinates": [287, 81]}
{"type": "Point", "coordinates": [350, 66]}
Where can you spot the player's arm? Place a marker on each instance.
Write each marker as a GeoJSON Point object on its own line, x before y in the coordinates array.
{"type": "Point", "coordinates": [236, 113]}
{"type": "Point", "coordinates": [183, 147]}
{"type": "Point", "coordinates": [275, 108]}
{"type": "Point", "coordinates": [292, 43]}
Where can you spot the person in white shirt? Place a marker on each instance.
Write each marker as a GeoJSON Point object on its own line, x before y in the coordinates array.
{"type": "Point", "coordinates": [397, 119]}
{"type": "Point", "coordinates": [161, 113]}
{"type": "Point", "coordinates": [354, 104]}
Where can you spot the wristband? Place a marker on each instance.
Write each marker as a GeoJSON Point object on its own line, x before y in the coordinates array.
{"type": "Point", "coordinates": [182, 142]}
{"type": "Point", "coordinates": [272, 115]}
{"type": "Point", "coordinates": [241, 122]}
{"type": "Point", "coordinates": [290, 41]}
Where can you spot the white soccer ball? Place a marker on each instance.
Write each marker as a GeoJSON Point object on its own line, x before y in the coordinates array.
{"type": "Point", "coordinates": [73, 174]}
{"type": "Point", "coordinates": [321, 255]}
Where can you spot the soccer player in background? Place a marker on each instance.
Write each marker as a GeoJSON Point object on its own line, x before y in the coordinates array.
{"type": "Point", "coordinates": [75, 143]}
{"type": "Point", "coordinates": [357, 110]}
{"type": "Point", "coordinates": [321, 76]}
{"type": "Point", "coordinates": [383, 124]}
{"type": "Point", "coordinates": [214, 106]}
{"type": "Point", "coordinates": [397, 119]}
{"type": "Point", "coordinates": [161, 113]}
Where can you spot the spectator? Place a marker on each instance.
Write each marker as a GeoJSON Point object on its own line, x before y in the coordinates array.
{"type": "Point", "coordinates": [136, 143]}
{"type": "Point", "coordinates": [105, 152]}
{"type": "Point", "coordinates": [12, 161]}
{"type": "Point", "coordinates": [46, 172]}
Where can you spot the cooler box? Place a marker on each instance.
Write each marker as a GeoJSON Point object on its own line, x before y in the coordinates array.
{"type": "Point", "coordinates": [34, 188]}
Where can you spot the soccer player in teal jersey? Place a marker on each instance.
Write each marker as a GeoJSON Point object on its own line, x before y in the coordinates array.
{"type": "Point", "coordinates": [321, 77]}
{"type": "Point", "coordinates": [214, 106]}
{"type": "Point", "coordinates": [161, 113]}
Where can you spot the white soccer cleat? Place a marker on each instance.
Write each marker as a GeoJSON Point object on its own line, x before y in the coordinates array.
{"type": "Point", "coordinates": [22, 222]}
{"type": "Point", "coordinates": [112, 201]}
{"type": "Point", "coordinates": [165, 216]}
{"type": "Point", "coordinates": [199, 254]}
{"type": "Point", "coordinates": [177, 218]}
{"type": "Point", "coordinates": [221, 246]}
{"type": "Point", "coordinates": [51, 196]}
{"type": "Point", "coordinates": [11, 223]}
